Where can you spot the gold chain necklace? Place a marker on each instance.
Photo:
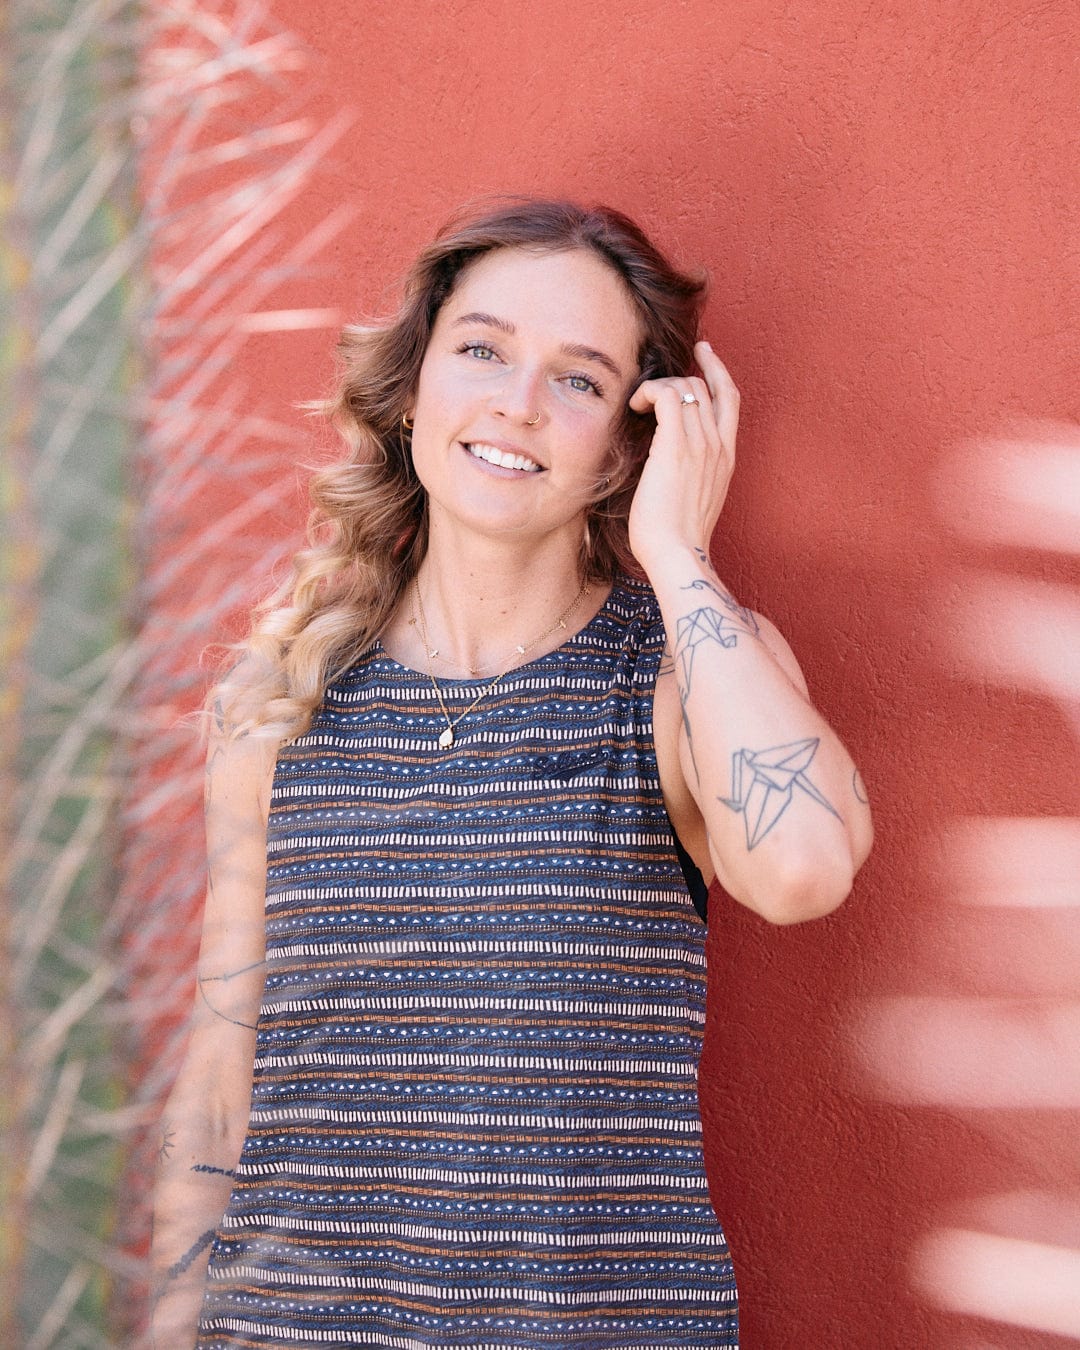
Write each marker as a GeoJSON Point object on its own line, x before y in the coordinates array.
{"type": "Point", "coordinates": [446, 738]}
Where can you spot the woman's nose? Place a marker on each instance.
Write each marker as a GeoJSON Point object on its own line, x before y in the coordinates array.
{"type": "Point", "coordinates": [519, 395]}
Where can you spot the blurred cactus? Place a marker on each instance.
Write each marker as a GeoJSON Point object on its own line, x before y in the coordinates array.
{"type": "Point", "coordinates": [70, 269]}
{"type": "Point", "coordinates": [138, 193]}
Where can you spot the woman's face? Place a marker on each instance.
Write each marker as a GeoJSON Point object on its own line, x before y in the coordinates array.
{"type": "Point", "coordinates": [524, 333]}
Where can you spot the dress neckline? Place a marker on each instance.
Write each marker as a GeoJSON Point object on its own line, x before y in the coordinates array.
{"type": "Point", "coordinates": [618, 586]}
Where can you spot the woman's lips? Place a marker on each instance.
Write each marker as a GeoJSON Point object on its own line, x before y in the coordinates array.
{"type": "Point", "coordinates": [501, 458]}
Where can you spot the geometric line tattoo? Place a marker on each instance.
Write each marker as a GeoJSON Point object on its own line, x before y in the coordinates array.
{"type": "Point", "coordinates": [201, 981]}
{"type": "Point", "coordinates": [747, 616]}
{"type": "Point", "coordinates": [178, 1267]}
{"type": "Point", "coordinates": [700, 625]}
{"type": "Point", "coordinates": [763, 783]}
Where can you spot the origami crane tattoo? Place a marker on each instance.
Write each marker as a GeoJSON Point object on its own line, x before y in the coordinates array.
{"type": "Point", "coordinates": [700, 625]}
{"type": "Point", "coordinates": [763, 783]}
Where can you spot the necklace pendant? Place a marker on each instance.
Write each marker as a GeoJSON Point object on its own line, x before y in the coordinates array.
{"type": "Point", "coordinates": [446, 738]}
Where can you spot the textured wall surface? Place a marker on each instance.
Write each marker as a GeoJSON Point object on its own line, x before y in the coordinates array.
{"type": "Point", "coordinates": [884, 194]}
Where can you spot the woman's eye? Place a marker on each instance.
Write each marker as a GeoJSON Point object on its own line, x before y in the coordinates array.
{"type": "Point", "coordinates": [480, 350]}
{"type": "Point", "coordinates": [582, 384]}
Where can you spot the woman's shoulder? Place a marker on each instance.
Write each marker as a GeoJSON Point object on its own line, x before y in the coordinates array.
{"type": "Point", "coordinates": [633, 600]}
{"type": "Point", "coordinates": [635, 613]}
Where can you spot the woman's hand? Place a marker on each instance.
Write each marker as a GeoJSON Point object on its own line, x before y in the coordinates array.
{"type": "Point", "coordinates": [685, 479]}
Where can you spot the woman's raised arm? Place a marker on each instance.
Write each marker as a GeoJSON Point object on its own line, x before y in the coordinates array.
{"type": "Point", "coordinates": [757, 783]}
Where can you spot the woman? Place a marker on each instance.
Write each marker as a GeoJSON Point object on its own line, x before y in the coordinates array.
{"type": "Point", "coordinates": [459, 927]}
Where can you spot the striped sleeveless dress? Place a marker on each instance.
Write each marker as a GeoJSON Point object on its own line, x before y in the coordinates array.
{"type": "Point", "coordinates": [474, 1120]}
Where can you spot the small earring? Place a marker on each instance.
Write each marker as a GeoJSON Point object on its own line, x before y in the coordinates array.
{"type": "Point", "coordinates": [534, 421]}
{"type": "Point", "coordinates": [406, 421]}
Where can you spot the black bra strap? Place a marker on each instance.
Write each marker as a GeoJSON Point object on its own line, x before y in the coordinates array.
{"type": "Point", "coordinates": [695, 882]}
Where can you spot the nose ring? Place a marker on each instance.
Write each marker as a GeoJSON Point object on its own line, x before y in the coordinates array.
{"type": "Point", "coordinates": [534, 421]}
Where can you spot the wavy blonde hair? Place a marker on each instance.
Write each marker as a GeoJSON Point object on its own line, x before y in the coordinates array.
{"type": "Point", "coordinates": [367, 530]}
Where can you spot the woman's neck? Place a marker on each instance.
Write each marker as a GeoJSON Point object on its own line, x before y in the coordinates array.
{"type": "Point", "coordinates": [486, 605]}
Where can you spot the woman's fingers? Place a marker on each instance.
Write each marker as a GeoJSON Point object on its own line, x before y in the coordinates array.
{"type": "Point", "coordinates": [723, 392]}
{"type": "Point", "coordinates": [715, 405]}
{"type": "Point", "coordinates": [687, 396]}
{"type": "Point", "coordinates": [645, 395]}
{"type": "Point", "coordinates": [692, 456]}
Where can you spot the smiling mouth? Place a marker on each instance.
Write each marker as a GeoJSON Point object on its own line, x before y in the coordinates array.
{"type": "Point", "coordinates": [503, 459]}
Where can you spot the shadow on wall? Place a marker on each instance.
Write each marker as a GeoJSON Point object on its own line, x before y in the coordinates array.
{"type": "Point", "coordinates": [998, 1045]}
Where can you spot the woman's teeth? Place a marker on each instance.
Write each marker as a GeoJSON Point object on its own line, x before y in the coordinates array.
{"type": "Point", "coordinates": [492, 455]}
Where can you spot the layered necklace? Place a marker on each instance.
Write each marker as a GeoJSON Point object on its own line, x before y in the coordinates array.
{"type": "Point", "coordinates": [446, 738]}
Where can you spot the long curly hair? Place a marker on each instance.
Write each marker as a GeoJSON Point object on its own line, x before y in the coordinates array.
{"type": "Point", "coordinates": [367, 529]}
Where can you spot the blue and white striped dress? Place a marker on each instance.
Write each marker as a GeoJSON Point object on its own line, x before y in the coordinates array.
{"type": "Point", "coordinates": [475, 1120]}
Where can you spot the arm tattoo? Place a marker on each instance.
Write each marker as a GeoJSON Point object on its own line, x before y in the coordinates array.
{"type": "Point", "coordinates": [700, 625]}
{"type": "Point", "coordinates": [745, 616]}
{"type": "Point", "coordinates": [231, 974]}
{"type": "Point", "coordinates": [711, 583]}
{"type": "Point", "coordinates": [213, 1171]}
{"type": "Point", "coordinates": [859, 788]}
{"type": "Point", "coordinates": [763, 783]}
{"type": "Point", "coordinates": [204, 980]}
{"type": "Point", "coordinates": [178, 1267]}
{"type": "Point", "coordinates": [705, 625]}
{"type": "Point", "coordinates": [168, 1135]}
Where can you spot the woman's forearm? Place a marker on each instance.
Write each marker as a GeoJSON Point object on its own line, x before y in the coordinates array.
{"type": "Point", "coordinates": [205, 1120]}
{"type": "Point", "coordinates": [186, 1214]}
{"type": "Point", "coordinates": [784, 809]}
{"type": "Point", "coordinates": [201, 1138]}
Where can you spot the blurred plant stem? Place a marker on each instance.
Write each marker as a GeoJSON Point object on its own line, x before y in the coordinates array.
{"type": "Point", "coordinates": [144, 174]}
{"type": "Point", "coordinates": [68, 219]}
{"type": "Point", "coordinates": [17, 578]}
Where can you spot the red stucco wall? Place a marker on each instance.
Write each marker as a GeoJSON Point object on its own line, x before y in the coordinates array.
{"type": "Point", "coordinates": [885, 197]}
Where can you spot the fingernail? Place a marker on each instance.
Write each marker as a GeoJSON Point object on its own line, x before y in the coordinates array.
{"type": "Point", "coordinates": [706, 343]}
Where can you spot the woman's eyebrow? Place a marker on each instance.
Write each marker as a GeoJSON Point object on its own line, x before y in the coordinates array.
{"type": "Point", "coordinates": [591, 354]}
{"type": "Point", "coordinates": [486, 320]}
{"type": "Point", "coordinates": [575, 349]}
